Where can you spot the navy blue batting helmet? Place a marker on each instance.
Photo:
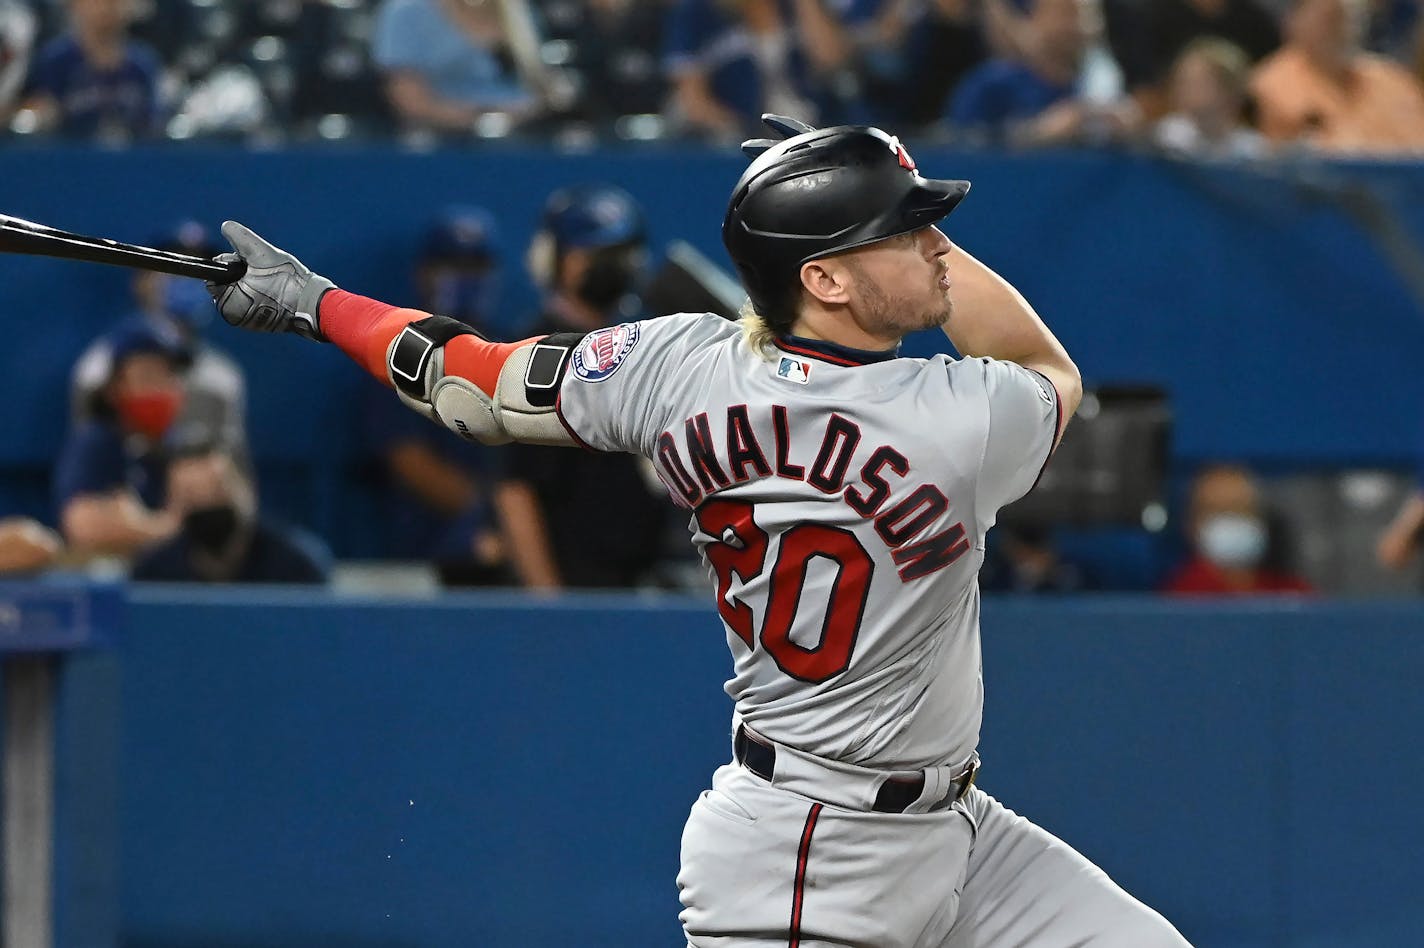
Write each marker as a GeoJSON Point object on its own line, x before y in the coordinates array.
{"type": "Point", "coordinates": [818, 192]}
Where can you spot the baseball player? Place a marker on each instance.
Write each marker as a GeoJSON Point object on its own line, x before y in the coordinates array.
{"type": "Point", "coordinates": [839, 497]}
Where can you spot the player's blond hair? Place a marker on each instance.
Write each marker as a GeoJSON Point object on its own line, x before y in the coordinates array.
{"type": "Point", "coordinates": [760, 337]}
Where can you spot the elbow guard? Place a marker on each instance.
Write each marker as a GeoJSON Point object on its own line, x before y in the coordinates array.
{"type": "Point", "coordinates": [482, 391]}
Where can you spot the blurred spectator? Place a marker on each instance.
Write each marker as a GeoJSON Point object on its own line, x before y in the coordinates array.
{"type": "Point", "coordinates": [94, 82]}
{"type": "Point", "coordinates": [458, 273]}
{"type": "Point", "coordinates": [17, 37]}
{"type": "Point", "coordinates": [26, 546]}
{"type": "Point", "coordinates": [942, 45]}
{"type": "Point", "coordinates": [440, 509]}
{"type": "Point", "coordinates": [1390, 28]}
{"type": "Point", "coordinates": [1025, 560]}
{"type": "Point", "coordinates": [1322, 89]}
{"type": "Point", "coordinates": [732, 60]}
{"type": "Point", "coordinates": [448, 62]}
{"type": "Point", "coordinates": [613, 47]}
{"type": "Point", "coordinates": [222, 538]}
{"type": "Point", "coordinates": [178, 308]}
{"type": "Point", "coordinates": [1207, 104]}
{"type": "Point", "coordinates": [1400, 541]}
{"type": "Point", "coordinates": [109, 482]}
{"type": "Point", "coordinates": [576, 518]}
{"type": "Point", "coordinates": [1230, 540]}
{"type": "Point", "coordinates": [1054, 92]}
{"type": "Point", "coordinates": [1148, 37]}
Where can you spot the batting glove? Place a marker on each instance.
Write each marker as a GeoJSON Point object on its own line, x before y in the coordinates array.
{"type": "Point", "coordinates": [276, 294]}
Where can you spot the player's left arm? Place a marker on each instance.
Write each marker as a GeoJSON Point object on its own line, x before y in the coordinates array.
{"type": "Point", "coordinates": [484, 391]}
{"type": "Point", "coordinates": [992, 318]}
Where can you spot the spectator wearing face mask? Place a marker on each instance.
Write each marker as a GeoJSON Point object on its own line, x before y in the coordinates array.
{"type": "Point", "coordinates": [439, 509]}
{"type": "Point", "coordinates": [588, 257]}
{"type": "Point", "coordinates": [221, 537]}
{"type": "Point", "coordinates": [1229, 537]}
{"type": "Point", "coordinates": [178, 308]}
{"type": "Point", "coordinates": [110, 480]}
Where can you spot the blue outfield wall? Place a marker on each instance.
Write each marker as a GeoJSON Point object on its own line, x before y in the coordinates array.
{"type": "Point", "coordinates": [298, 769]}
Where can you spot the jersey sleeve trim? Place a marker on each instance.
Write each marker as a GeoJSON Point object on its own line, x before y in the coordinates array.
{"type": "Point", "coordinates": [559, 413]}
{"type": "Point", "coordinates": [1057, 427]}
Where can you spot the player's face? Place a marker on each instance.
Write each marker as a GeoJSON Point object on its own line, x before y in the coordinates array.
{"type": "Point", "coordinates": [901, 284]}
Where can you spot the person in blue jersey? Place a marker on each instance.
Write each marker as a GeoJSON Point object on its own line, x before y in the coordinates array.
{"type": "Point", "coordinates": [439, 507]}
{"type": "Point", "coordinates": [730, 60]}
{"type": "Point", "coordinates": [111, 477]}
{"type": "Point", "coordinates": [1057, 88]}
{"type": "Point", "coordinates": [93, 82]}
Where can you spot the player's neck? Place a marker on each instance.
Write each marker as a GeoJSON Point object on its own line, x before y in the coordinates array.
{"type": "Point", "coordinates": [816, 322]}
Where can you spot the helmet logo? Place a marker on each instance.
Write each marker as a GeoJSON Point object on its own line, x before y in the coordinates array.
{"type": "Point", "coordinates": [906, 161]}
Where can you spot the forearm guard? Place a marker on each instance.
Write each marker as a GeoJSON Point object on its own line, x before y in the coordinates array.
{"type": "Point", "coordinates": [483, 391]}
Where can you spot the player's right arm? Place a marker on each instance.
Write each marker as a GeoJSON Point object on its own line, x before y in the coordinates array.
{"type": "Point", "coordinates": [993, 319]}
{"type": "Point", "coordinates": [484, 391]}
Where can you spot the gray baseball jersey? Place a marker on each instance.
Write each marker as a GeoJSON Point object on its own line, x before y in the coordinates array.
{"type": "Point", "coordinates": [840, 501]}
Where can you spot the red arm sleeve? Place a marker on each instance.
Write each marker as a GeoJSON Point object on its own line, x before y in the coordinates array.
{"type": "Point", "coordinates": [363, 328]}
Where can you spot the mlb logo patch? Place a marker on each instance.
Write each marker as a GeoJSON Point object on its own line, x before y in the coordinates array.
{"type": "Point", "coordinates": [794, 370]}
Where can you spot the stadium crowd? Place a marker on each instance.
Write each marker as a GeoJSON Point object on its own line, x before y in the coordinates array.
{"type": "Point", "coordinates": [156, 468]}
{"type": "Point", "coordinates": [1232, 78]}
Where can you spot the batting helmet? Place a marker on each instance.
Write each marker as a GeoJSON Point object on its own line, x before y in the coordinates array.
{"type": "Point", "coordinates": [819, 192]}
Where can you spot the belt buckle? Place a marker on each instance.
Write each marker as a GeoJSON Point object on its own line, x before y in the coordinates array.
{"type": "Point", "coordinates": [970, 773]}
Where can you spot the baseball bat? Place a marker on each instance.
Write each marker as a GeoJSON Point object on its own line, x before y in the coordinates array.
{"type": "Point", "coordinates": [21, 236]}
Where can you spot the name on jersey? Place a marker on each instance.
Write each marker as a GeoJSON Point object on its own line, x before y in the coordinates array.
{"type": "Point", "coordinates": [698, 466]}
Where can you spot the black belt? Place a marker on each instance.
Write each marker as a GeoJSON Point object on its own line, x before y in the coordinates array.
{"type": "Point", "coordinates": [894, 796]}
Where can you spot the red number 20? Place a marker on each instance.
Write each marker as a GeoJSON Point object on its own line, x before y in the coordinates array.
{"type": "Point", "coordinates": [742, 550]}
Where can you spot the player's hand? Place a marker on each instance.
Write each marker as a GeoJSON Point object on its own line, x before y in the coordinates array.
{"type": "Point", "coordinates": [276, 294]}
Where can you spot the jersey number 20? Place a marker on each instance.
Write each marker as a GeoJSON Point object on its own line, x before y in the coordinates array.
{"type": "Point", "coordinates": [743, 551]}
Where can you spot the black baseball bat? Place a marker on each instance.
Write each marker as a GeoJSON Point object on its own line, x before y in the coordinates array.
{"type": "Point", "coordinates": [21, 236]}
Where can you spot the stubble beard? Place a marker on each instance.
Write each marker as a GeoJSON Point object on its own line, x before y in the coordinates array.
{"type": "Point", "coordinates": [894, 316]}
{"type": "Point", "coordinates": [939, 316]}
{"type": "Point", "coordinates": [887, 314]}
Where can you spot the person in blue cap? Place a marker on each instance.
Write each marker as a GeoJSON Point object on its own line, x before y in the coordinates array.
{"type": "Point", "coordinates": [178, 307]}
{"type": "Point", "coordinates": [588, 257]}
{"type": "Point", "coordinates": [458, 274]}
{"type": "Point", "coordinates": [111, 478]}
{"type": "Point", "coordinates": [439, 509]}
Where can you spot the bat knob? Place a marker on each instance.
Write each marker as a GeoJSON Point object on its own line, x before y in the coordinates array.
{"type": "Point", "coordinates": [233, 270]}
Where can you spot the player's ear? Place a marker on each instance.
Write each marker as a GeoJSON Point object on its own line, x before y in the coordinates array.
{"type": "Point", "coordinates": [825, 281]}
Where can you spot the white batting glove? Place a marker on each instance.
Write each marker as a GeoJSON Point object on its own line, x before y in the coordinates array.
{"type": "Point", "coordinates": [276, 294]}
